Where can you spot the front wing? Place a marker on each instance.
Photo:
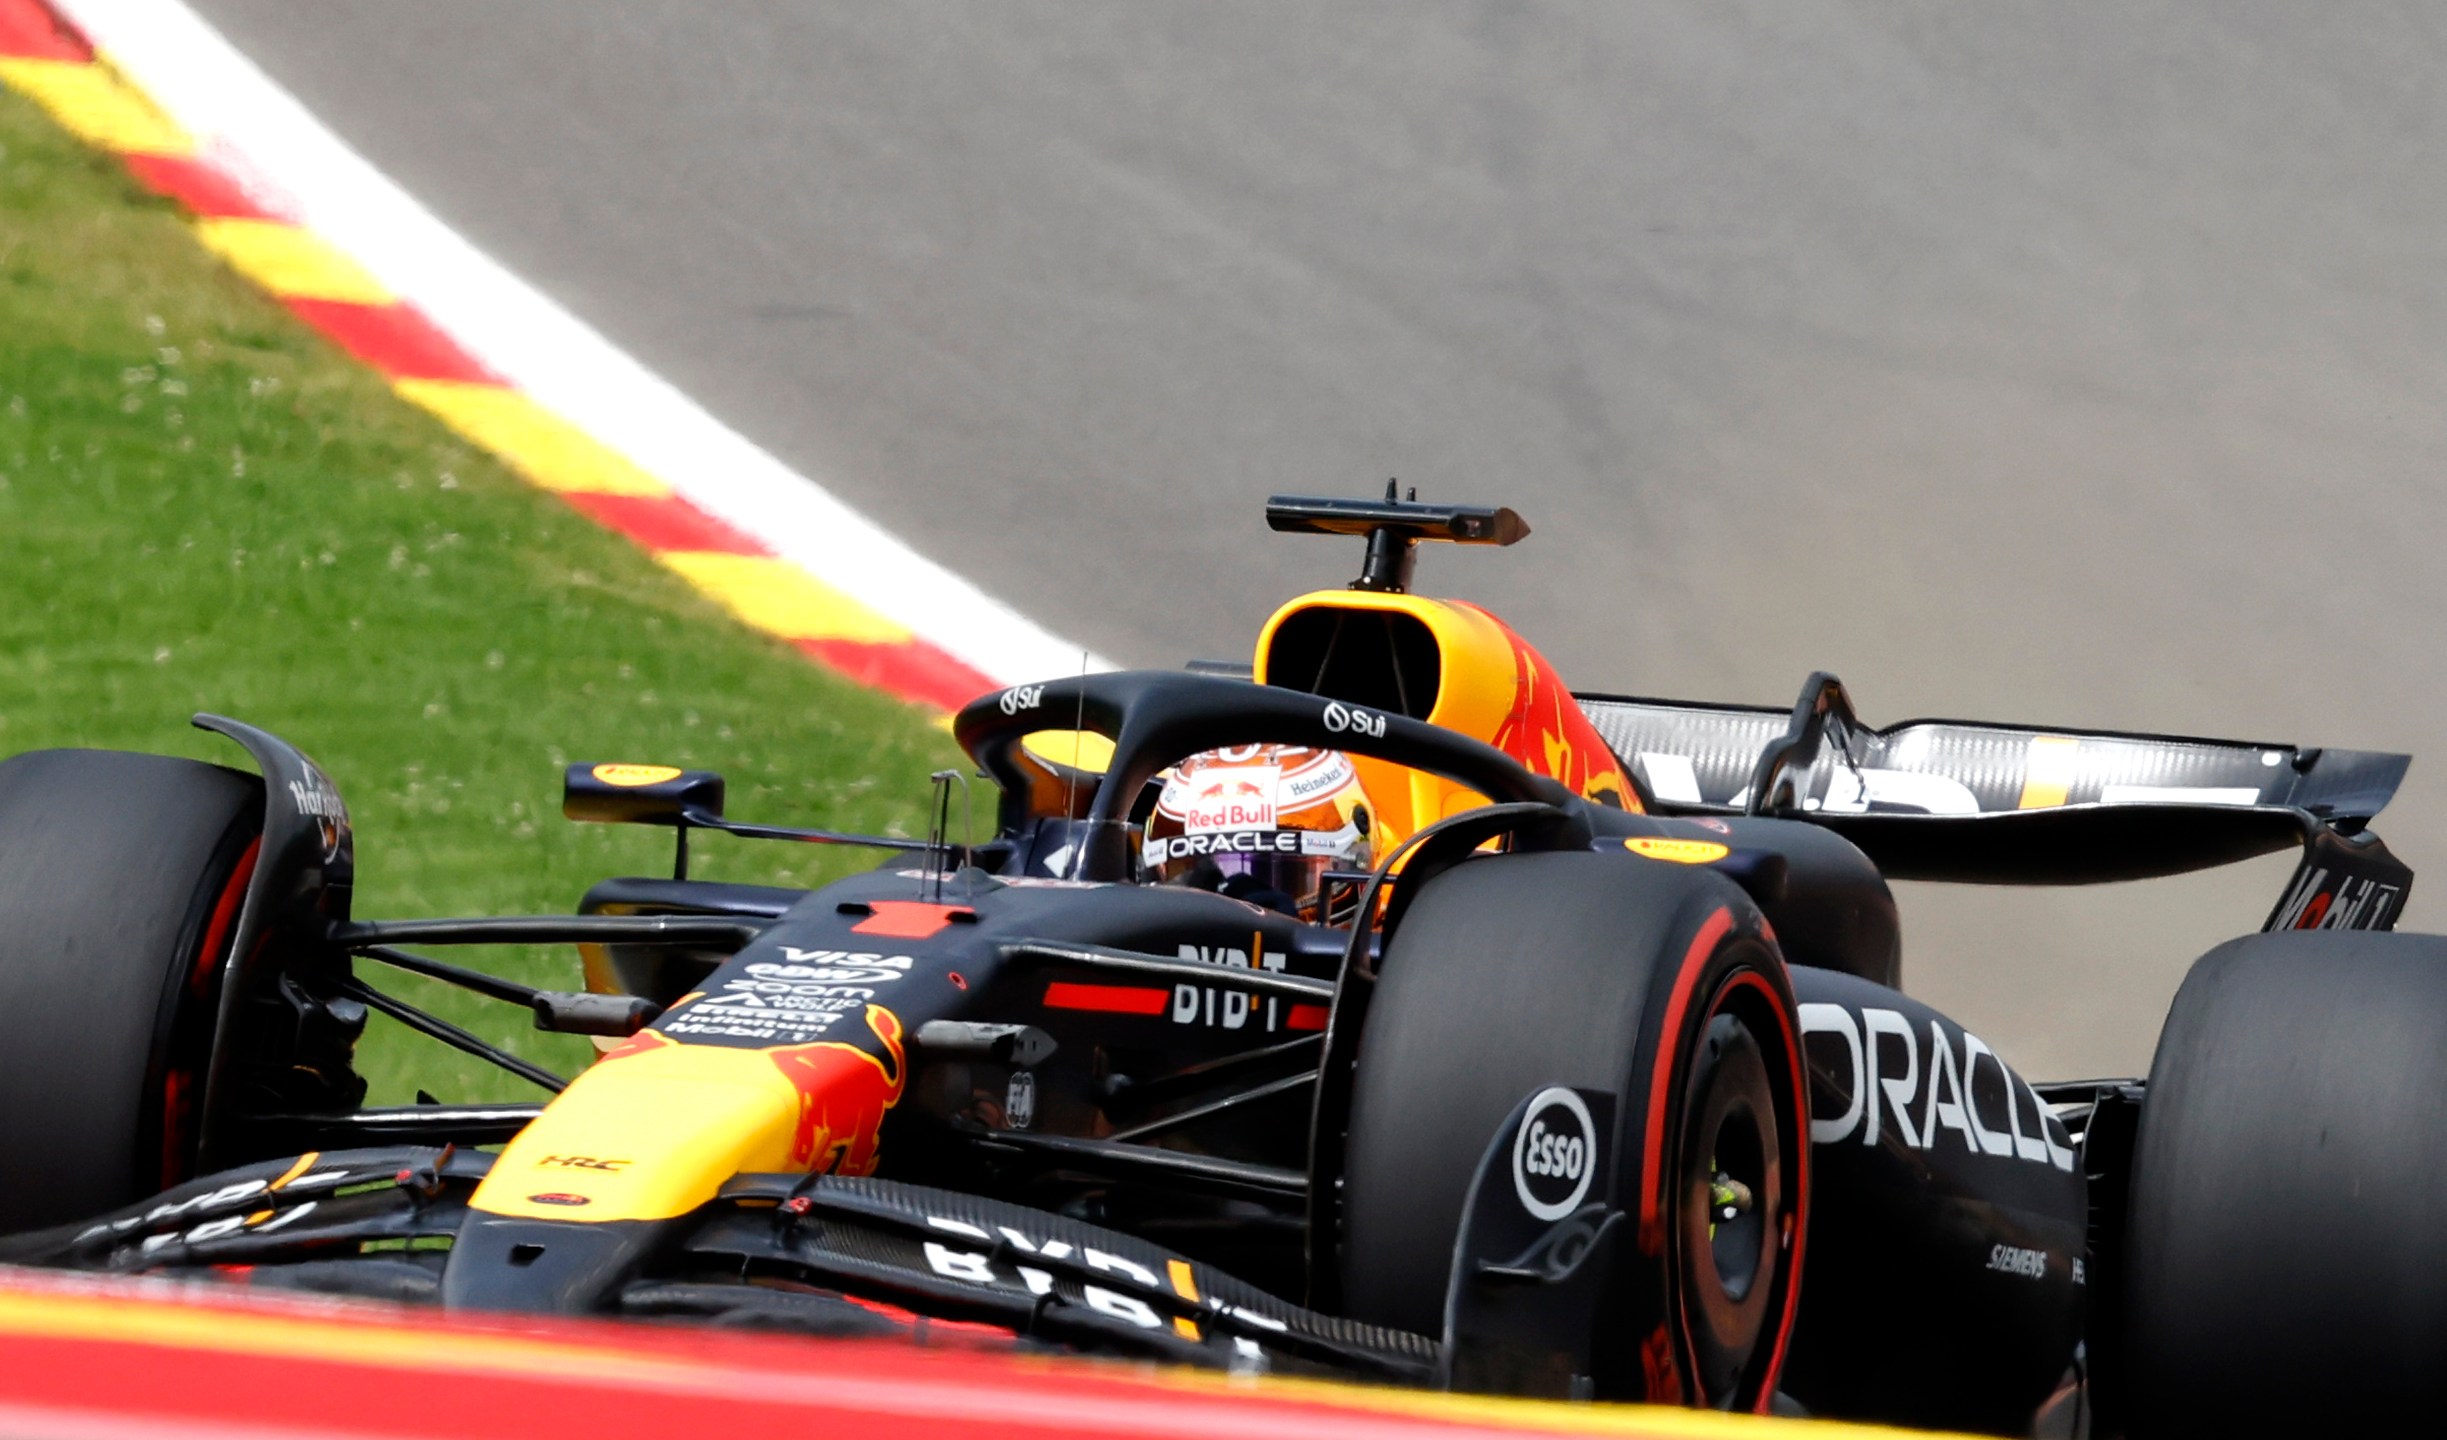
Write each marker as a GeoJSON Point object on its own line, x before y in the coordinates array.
{"type": "Point", "coordinates": [829, 1255]}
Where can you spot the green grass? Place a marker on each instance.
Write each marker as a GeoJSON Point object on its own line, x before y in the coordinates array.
{"type": "Point", "coordinates": [204, 506]}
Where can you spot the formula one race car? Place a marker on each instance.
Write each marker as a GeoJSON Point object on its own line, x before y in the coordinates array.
{"type": "Point", "coordinates": [1383, 1010]}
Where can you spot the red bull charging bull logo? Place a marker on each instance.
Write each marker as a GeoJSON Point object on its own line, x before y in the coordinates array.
{"type": "Point", "coordinates": [843, 1094]}
{"type": "Point", "coordinates": [1548, 732]}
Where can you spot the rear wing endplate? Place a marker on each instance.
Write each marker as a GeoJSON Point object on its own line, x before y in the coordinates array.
{"type": "Point", "coordinates": [2003, 804]}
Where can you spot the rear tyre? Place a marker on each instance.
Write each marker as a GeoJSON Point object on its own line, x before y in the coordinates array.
{"type": "Point", "coordinates": [2288, 1243]}
{"type": "Point", "coordinates": [121, 878]}
{"type": "Point", "coordinates": [1653, 981]}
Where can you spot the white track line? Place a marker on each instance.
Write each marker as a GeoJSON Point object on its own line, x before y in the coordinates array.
{"type": "Point", "coordinates": [247, 120]}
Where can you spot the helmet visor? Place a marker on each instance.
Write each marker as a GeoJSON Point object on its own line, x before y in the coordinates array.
{"type": "Point", "coordinates": [1280, 869]}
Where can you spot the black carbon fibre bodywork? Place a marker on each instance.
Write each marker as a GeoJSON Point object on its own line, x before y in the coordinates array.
{"type": "Point", "coordinates": [1122, 1117]}
{"type": "Point", "coordinates": [1948, 1265]}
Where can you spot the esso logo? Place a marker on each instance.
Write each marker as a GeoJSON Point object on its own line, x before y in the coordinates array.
{"type": "Point", "coordinates": [1347, 719]}
{"type": "Point", "coordinates": [1554, 1157]}
{"type": "Point", "coordinates": [1022, 697]}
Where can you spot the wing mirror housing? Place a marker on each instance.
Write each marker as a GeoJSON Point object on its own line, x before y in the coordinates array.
{"type": "Point", "coordinates": [625, 794]}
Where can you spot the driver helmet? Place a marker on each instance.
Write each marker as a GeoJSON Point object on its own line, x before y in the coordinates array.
{"type": "Point", "coordinates": [1262, 823]}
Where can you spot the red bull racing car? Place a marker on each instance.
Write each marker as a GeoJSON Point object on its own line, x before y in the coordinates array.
{"type": "Point", "coordinates": [1381, 1009]}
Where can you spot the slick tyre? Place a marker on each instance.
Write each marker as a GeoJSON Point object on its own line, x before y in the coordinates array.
{"type": "Point", "coordinates": [2288, 1243]}
{"type": "Point", "coordinates": [1653, 982]}
{"type": "Point", "coordinates": [121, 878]}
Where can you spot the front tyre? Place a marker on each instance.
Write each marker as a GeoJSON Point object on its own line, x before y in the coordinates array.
{"type": "Point", "coordinates": [121, 878]}
{"type": "Point", "coordinates": [1653, 982]}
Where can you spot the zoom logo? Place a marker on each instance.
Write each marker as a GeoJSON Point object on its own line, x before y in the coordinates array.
{"type": "Point", "coordinates": [1341, 719]}
{"type": "Point", "coordinates": [1554, 1155]}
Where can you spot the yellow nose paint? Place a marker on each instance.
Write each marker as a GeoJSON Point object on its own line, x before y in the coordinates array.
{"type": "Point", "coordinates": [646, 1137]}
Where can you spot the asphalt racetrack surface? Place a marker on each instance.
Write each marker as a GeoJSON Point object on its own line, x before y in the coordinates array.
{"type": "Point", "coordinates": [2070, 365]}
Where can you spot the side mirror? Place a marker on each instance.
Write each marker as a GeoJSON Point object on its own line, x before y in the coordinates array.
{"type": "Point", "coordinates": [615, 794]}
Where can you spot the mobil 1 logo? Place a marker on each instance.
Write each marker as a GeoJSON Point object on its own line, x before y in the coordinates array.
{"type": "Point", "coordinates": [1559, 1151]}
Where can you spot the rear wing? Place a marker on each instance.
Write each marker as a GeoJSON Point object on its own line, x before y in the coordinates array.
{"type": "Point", "coordinates": [2003, 804]}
